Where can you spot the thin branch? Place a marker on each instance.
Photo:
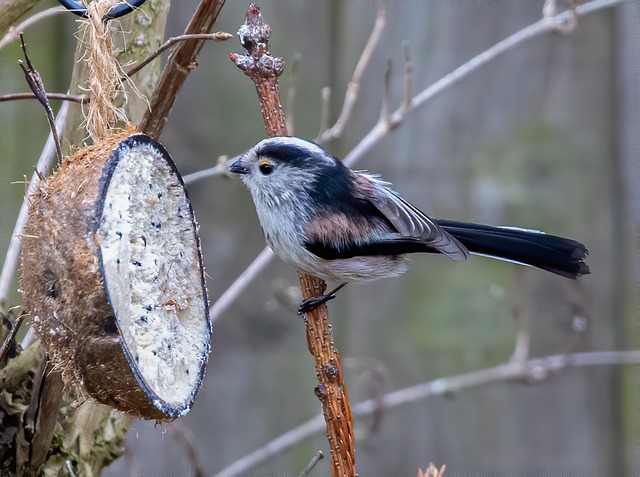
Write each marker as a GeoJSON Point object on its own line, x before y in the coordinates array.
{"type": "Point", "coordinates": [386, 95]}
{"type": "Point", "coordinates": [523, 339]}
{"type": "Point", "coordinates": [218, 36]}
{"type": "Point", "coordinates": [381, 129]}
{"type": "Point", "coordinates": [325, 111]}
{"type": "Point", "coordinates": [179, 64]}
{"type": "Point", "coordinates": [220, 169]}
{"type": "Point", "coordinates": [6, 345]}
{"type": "Point", "coordinates": [240, 284]}
{"type": "Point", "coordinates": [293, 92]}
{"type": "Point", "coordinates": [76, 98]}
{"type": "Point", "coordinates": [14, 32]}
{"type": "Point", "coordinates": [312, 463]}
{"type": "Point", "coordinates": [432, 471]}
{"type": "Point", "coordinates": [187, 439]}
{"type": "Point", "coordinates": [34, 80]}
{"type": "Point", "coordinates": [408, 76]}
{"type": "Point", "coordinates": [353, 87]}
{"type": "Point", "coordinates": [13, 250]}
{"type": "Point", "coordinates": [438, 387]}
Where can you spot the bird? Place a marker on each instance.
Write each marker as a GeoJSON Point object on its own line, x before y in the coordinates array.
{"type": "Point", "coordinates": [344, 225]}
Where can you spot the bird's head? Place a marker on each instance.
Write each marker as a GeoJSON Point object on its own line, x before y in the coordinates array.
{"type": "Point", "coordinates": [281, 167]}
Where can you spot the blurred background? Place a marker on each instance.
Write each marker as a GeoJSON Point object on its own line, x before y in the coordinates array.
{"type": "Point", "coordinates": [544, 136]}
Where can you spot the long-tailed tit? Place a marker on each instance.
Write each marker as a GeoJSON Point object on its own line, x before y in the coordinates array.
{"type": "Point", "coordinates": [344, 225]}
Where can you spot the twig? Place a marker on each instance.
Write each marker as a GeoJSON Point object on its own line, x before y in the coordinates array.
{"type": "Point", "coordinates": [218, 170]}
{"type": "Point", "coordinates": [14, 32]}
{"type": "Point", "coordinates": [432, 471]}
{"type": "Point", "coordinates": [13, 250]}
{"type": "Point", "coordinates": [408, 96]}
{"type": "Point", "coordinates": [438, 387]}
{"type": "Point", "coordinates": [6, 345]}
{"type": "Point", "coordinates": [264, 70]}
{"type": "Point", "coordinates": [179, 64]}
{"type": "Point", "coordinates": [523, 340]}
{"type": "Point", "coordinates": [353, 87]}
{"type": "Point", "coordinates": [34, 81]}
{"type": "Point", "coordinates": [186, 437]}
{"type": "Point", "coordinates": [325, 111]}
{"type": "Point", "coordinates": [292, 93]}
{"type": "Point", "coordinates": [76, 98]}
{"type": "Point", "coordinates": [386, 95]}
{"type": "Point", "coordinates": [378, 131]}
{"type": "Point", "coordinates": [381, 129]}
{"type": "Point", "coordinates": [312, 463]}
{"type": "Point", "coordinates": [218, 36]}
{"type": "Point", "coordinates": [240, 284]}
{"type": "Point", "coordinates": [549, 9]}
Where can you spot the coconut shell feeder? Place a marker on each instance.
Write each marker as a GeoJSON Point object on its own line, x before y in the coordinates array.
{"type": "Point", "coordinates": [113, 280]}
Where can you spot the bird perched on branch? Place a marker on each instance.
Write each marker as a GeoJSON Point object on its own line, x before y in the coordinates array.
{"type": "Point", "coordinates": [344, 225]}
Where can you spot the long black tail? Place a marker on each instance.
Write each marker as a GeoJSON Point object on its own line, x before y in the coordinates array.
{"type": "Point", "coordinates": [558, 255]}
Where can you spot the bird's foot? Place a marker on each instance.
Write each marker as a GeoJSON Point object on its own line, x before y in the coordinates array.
{"type": "Point", "coordinates": [311, 304]}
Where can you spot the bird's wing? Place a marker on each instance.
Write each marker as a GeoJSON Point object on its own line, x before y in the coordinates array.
{"type": "Point", "coordinates": [410, 222]}
{"type": "Point", "coordinates": [377, 222]}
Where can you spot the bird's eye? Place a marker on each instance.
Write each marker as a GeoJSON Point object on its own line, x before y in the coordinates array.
{"type": "Point", "coordinates": [266, 168]}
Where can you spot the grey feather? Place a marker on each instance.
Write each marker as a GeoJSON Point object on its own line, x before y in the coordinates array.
{"type": "Point", "coordinates": [411, 222]}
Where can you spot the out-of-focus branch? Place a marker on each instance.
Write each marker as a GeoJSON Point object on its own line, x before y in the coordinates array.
{"type": "Point", "coordinates": [14, 32]}
{"type": "Point", "coordinates": [11, 10]}
{"type": "Point", "coordinates": [218, 36]}
{"type": "Point", "coordinates": [76, 98]}
{"type": "Point", "coordinates": [354, 85]}
{"type": "Point", "coordinates": [13, 250]}
{"type": "Point", "coordinates": [532, 370]}
{"type": "Point", "coordinates": [292, 93]}
{"type": "Point", "coordinates": [312, 463]}
{"type": "Point", "coordinates": [432, 471]}
{"type": "Point", "coordinates": [381, 129]}
{"type": "Point", "coordinates": [264, 70]}
{"type": "Point", "coordinates": [550, 24]}
{"type": "Point", "coordinates": [220, 169]}
{"type": "Point", "coordinates": [240, 284]}
{"type": "Point", "coordinates": [185, 436]}
{"type": "Point", "coordinates": [179, 64]}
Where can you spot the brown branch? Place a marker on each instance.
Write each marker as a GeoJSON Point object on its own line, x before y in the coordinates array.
{"type": "Point", "coordinates": [34, 81]}
{"type": "Point", "coordinates": [179, 64]}
{"type": "Point", "coordinates": [264, 70]}
{"type": "Point", "coordinates": [11, 336]}
{"type": "Point", "coordinates": [218, 36]}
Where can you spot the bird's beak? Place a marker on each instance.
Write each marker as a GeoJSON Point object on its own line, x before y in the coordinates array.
{"type": "Point", "coordinates": [238, 167]}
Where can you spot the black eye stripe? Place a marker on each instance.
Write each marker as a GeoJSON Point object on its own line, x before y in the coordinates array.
{"type": "Point", "coordinates": [286, 153]}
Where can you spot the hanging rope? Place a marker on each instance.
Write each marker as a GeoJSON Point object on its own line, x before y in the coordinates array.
{"type": "Point", "coordinates": [104, 71]}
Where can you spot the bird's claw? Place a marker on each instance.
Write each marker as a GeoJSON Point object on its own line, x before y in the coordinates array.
{"type": "Point", "coordinates": [311, 304]}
